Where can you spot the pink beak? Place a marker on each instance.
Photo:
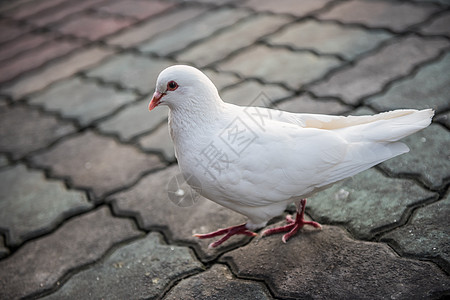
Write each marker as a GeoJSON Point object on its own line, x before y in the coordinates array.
{"type": "Point", "coordinates": [155, 100]}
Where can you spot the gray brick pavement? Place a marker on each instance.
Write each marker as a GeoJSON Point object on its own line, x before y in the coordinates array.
{"type": "Point", "coordinates": [85, 170]}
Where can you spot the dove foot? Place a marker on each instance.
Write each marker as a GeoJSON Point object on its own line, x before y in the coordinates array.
{"type": "Point", "coordinates": [293, 225]}
{"type": "Point", "coordinates": [227, 232]}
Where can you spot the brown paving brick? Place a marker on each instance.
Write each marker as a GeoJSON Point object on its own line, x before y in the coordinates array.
{"type": "Point", "coordinates": [203, 26]}
{"type": "Point", "coordinates": [327, 264]}
{"type": "Point", "coordinates": [217, 283]}
{"type": "Point", "coordinates": [298, 8]}
{"type": "Point", "coordinates": [439, 25]}
{"type": "Point", "coordinates": [39, 56]}
{"type": "Point", "coordinates": [33, 7]}
{"type": "Point", "coordinates": [23, 43]}
{"type": "Point", "coordinates": [83, 100]}
{"type": "Point", "coordinates": [135, 8]}
{"type": "Point", "coordinates": [370, 74]}
{"type": "Point", "coordinates": [239, 36]}
{"type": "Point", "coordinates": [58, 70]}
{"type": "Point", "coordinates": [96, 162]}
{"type": "Point", "coordinates": [9, 30]}
{"type": "Point", "coordinates": [31, 205]}
{"type": "Point", "coordinates": [299, 68]}
{"type": "Point", "coordinates": [307, 104]}
{"type": "Point", "coordinates": [92, 26]}
{"type": "Point", "coordinates": [149, 201]}
{"type": "Point", "coordinates": [23, 130]}
{"type": "Point", "coordinates": [154, 26]}
{"type": "Point", "coordinates": [375, 13]}
{"type": "Point", "coordinates": [142, 269]}
{"type": "Point", "coordinates": [38, 265]}
{"type": "Point", "coordinates": [59, 12]}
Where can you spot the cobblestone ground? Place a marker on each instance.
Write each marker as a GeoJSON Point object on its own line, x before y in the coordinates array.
{"type": "Point", "coordinates": [85, 168]}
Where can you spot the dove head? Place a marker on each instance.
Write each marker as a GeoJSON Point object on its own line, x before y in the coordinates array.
{"type": "Point", "coordinates": [185, 88]}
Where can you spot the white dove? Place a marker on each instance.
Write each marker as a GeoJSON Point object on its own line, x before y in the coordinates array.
{"type": "Point", "coordinates": [256, 161]}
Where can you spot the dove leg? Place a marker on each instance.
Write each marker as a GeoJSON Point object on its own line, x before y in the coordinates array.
{"type": "Point", "coordinates": [227, 233]}
{"type": "Point", "coordinates": [293, 225]}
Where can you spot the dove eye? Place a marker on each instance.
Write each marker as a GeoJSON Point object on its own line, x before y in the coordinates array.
{"type": "Point", "coordinates": [172, 85]}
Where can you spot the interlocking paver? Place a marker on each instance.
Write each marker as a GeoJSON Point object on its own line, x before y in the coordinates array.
{"type": "Point", "coordinates": [248, 92]}
{"type": "Point", "coordinates": [394, 15]}
{"type": "Point", "coordinates": [239, 36]}
{"type": "Point", "coordinates": [141, 269]}
{"type": "Point", "coordinates": [427, 234]}
{"type": "Point", "coordinates": [440, 25]}
{"type": "Point", "coordinates": [22, 44]}
{"type": "Point", "coordinates": [134, 120]}
{"type": "Point", "coordinates": [159, 140]}
{"type": "Point", "coordinates": [3, 250]}
{"type": "Point", "coordinates": [221, 79]}
{"type": "Point", "coordinates": [428, 88]}
{"type": "Point", "coordinates": [149, 201]}
{"type": "Point", "coordinates": [328, 264]}
{"type": "Point", "coordinates": [444, 119]}
{"type": "Point", "coordinates": [82, 100]}
{"type": "Point", "coordinates": [217, 283]}
{"type": "Point", "coordinates": [39, 264]}
{"type": "Point", "coordinates": [11, 30]}
{"type": "Point", "coordinates": [299, 68]}
{"type": "Point", "coordinates": [370, 74]}
{"type": "Point", "coordinates": [135, 8]}
{"type": "Point", "coordinates": [329, 38]}
{"type": "Point", "coordinates": [298, 8]}
{"type": "Point", "coordinates": [368, 203]}
{"type": "Point", "coordinates": [179, 38]}
{"type": "Point", "coordinates": [30, 205]}
{"type": "Point", "coordinates": [23, 130]}
{"type": "Point", "coordinates": [428, 158]}
{"type": "Point", "coordinates": [40, 55]}
{"type": "Point", "coordinates": [3, 160]}
{"type": "Point", "coordinates": [96, 162]}
{"type": "Point", "coordinates": [59, 70]}
{"type": "Point", "coordinates": [92, 27]}
{"type": "Point", "coordinates": [307, 104]}
{"type": "Point", "coordinates": [154, 26]}
{"type": "Point", "coordinates": [27, 9]}
{"type": "Point", "coordinates": [131, 71]}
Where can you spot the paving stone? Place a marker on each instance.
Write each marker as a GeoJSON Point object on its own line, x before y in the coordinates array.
{"type": "Point", "coordinates": [159, 140]}
{"type": "Point", "coordinates": [329, 38]}
{"type": "Point", "coordinates": [3, 250]}
{"type": "Point", "coordinates": [154, 26]}
{"type": "Point", "coordinates": [428, 88]}
{"type": "Point", "coordinates": [427, 234]}
{"type": "Point", "coordinates": [134, 120]}
{"type": "Point", "coordinates": [221, 79]}
{"type": "Point", "coordinates": [3, 161]}
{"type": "Point", "coordinates": [327, 264]}
{"type": "Point", "coordinates": [93, 27]}
{"type": "Point", "coordinates": [22, 44]}
{"type": "Point", "coordinates": [241, 35]}
{"type": "Point", "coordinates": [444, 2]}
{"type": "Point", "coordinates": [143, 268]}
{"type": "Point", "coordinates": [31, 8]}
{"type": "Point", "coordinates": [58, 70]}
{"type": "Point", "coordinates": [59, 12]}
{"type": "Point", "coordinates": [200, 28]}
{"type": "Point", "coordinates": [307, 104]}
{"type": "Point", "coordinates": [149, 201]}
{"type": "Point", "coordinates": [30, 205]}
{"type": "Point", "coordinates": [40, 55]}
{"type": "Point", "coordinates": [132, 71]}
{"type": "Point", "coordinates": [298, 8]}
{"type": "Point", "coordinates": [370, 74]}
{"type": "Point", "coordinates": [368, 203]}
{"type": "Point", "coordinates": [135, 8]}
{"type": "Point", "coordinates": [439, 25]}
{"type": "Point", "coordinates": [444, 119]}
{"type": "Point", "coordinates": [252, 93]}
{"type": "Point", "coordinates": [82, 100]}
{"type": "Point", "coordinates": [299, 68]}
{"type": "Point", "coordinates": [23, 130]}
{"type": "Point", "coordinates": [96, 162]}
{"type": "Point", "coordinates": [429, 158]}
{"type": "Point", "coordinates": [39, 264]}
{"type": "Point", "coordinates": [217, 283]}
{"type": "Point", "coordinates": [397, 16]}
{"type": "Point", "coordinates": [10, 30]}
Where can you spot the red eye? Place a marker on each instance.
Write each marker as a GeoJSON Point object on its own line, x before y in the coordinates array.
{"type": "Point", "coordinates": [172, 86]}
